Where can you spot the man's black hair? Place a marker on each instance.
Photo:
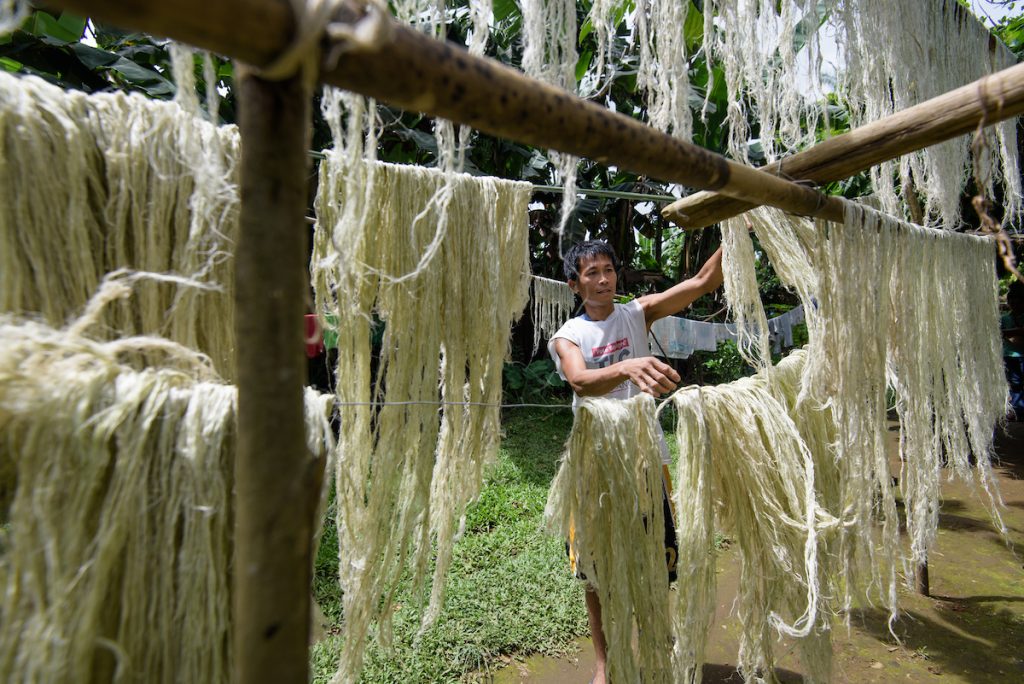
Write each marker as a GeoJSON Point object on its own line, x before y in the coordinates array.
{"type": "Point", "coordinates": [586, 250]}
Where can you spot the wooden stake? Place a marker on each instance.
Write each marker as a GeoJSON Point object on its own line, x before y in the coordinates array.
{"type": "Point", "coordinates": [275, 476]}
{"type": "Point", "coordinates": [921, 579]}
{"type": "Point", "coordinates": [957, 112]}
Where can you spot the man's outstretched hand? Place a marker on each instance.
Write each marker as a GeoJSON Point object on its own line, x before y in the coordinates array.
{"type": "Point", "coordinates": [651, 375]}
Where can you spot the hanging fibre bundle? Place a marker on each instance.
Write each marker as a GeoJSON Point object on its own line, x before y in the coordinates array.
{"type": "Point", "coordinates": [743, 295]}
{"type": "Point", "coordinates": [946, 369]}
{"type": "Point", "coordinates": [607, 498]}
{"type": "Point", "coordinates": [95, 183]}
{"type": "Point", "coordinates": [553, 304]}
{"type": "Point", "coordinates": [549, 54]}
{"type": "Point", "coordinates": [756, 43]}
{"type": "Point", "coordinates": [406, 472]}
{"type": "Point", "coordinates": [430, 17]}
{"type": "Point", "coordinates": [922, 320]}
{"type": "Point", "coordinates": [663, 72]}
{"type": "Point", "coordinates": [115, 564]}
{"type": "Point", "coordinates": [887, 73]}
{"type": "Point", "coordinates": [740, 449]}
{"type": "Point", "coordinates": [941, 358]}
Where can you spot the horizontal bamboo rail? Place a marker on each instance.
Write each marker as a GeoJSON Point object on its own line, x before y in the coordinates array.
{"type": "Point", "coordinates": [415, 72]}
{"type": "Point", "coordinates": [994, 98]}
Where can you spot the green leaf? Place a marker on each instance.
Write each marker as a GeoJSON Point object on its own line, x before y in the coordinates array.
{"type": "Point", "coordinates": [144, 79]}
{"type": "Point", "coordinates": [94, 58]}
{"type": "Point", "coordinates": [693, 29]}
{"type": "Point", "coordinates": [514, 376]}
{"type": "Point", "coordinates": [10, 65]}
{"type": "Point", "coordinates": [810, 24]}
{"type": "Point", "coordinates": [73, 24]}
{"type": "Point", "coordinates": [51, 30]}
{"type": "Point", "coordinates": [584, 63]}
{"type": "Point", "coordinates": [585, 30]}
{"type": "Point", "coordinates": [503, 9]}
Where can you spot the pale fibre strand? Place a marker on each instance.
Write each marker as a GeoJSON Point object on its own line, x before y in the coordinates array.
{"type": "Point", "coordinates": [663, 70]}
{"type": "Point", "coordinates": [762, 474]}
{"type": "Point", "coordinates": [405, 473]}
{"type": "Point", "coordinates": [117, 563]}
{"type": "Point", "coordinates": [553, 304]}
{"type": "Point", "coordinates": [107, 181]}
{"type": "Point", "coordinates": [743, 295]}
{"type": "Point", "coordinates": [549, 54]}
{"type": "Point", "coordinates": [608, 492]}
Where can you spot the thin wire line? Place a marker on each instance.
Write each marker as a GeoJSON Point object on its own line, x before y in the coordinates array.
{"type": "Point", "coordinates": [477, 403]}
{"type": "Point", "coordinates": [591, 192]}
{"type": "Point", "coordinates": [612, 194]}
{"type": "Point", "coordinates": [449, 403]}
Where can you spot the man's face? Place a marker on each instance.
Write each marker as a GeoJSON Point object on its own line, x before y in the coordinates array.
{"type": "Point", "coordinates": [596, 283]}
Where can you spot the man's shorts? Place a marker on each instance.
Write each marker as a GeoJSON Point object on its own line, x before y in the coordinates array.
{"type": "Point", "coordinates": [671, 544]}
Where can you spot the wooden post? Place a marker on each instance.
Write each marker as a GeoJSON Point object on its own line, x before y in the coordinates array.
{"type": "Point", "coordinates": [275, 475]}
{"type": "Point", "coordinates": [921, 578]}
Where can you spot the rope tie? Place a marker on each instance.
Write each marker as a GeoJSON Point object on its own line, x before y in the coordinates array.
{"type": "Point", "coordinates": [315, 19]}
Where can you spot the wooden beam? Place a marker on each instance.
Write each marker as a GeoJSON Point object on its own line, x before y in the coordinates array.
{"type": "Point", "coordinates": [410, 70]}
{"type": "Point", "coordinates": [996, 97]}
{"type": "Point", "coordinates": [275, 476]}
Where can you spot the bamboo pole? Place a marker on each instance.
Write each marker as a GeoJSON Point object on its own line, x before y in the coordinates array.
{"type": "Point", "coordinates": [275, 476]}
{"type": "Point", "coordinates": [996, 97]}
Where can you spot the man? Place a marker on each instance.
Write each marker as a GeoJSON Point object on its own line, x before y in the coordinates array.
{"type": "Point", "coordinates": [605, 353]}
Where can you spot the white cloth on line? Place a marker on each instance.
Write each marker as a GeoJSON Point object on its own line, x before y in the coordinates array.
{"type": "Point", "coordinates": [675, 337]}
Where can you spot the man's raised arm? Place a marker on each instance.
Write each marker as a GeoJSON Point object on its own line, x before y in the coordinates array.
{"type": "Point", "coordinates": [681, 295]}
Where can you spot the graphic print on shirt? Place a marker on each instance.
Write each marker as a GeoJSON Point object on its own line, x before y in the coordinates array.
{"type": "Point", "coordinates": [607, 354]}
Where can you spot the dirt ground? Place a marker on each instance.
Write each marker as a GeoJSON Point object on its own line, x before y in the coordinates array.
{"type": "Point", "coordinates": [970, 629]}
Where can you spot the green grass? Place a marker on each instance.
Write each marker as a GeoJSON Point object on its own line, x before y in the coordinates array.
{"type": "Point", "coordinates": [510, 592]}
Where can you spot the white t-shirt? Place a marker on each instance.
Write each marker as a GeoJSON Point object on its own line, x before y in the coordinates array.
{"type": "Point", "coordinates": [623, 335]}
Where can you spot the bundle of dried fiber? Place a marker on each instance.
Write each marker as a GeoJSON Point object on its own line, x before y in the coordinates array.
{"type": "Point", "coordinates": [887, 73]}
{"type": "Point", "coordinates": [430, 17]}
{"type": "Point", "coordinates": [740, 449]}
{"type": "Point", "coordinates": [94, 183]}
{"type": "Point", "coordinates": [553, 304]}
{"type": "Point", "coordinates": [945, 367]}
{"type": "Point", "coordinates": [116, 565]}
{"type": "Point", "coordinates": [607, 496]}
{"type": "Point", "coordinates": [549, 54]}
{"type": "Point", "coordinates": [663, 70]}
{"type": "Point", "coordinates": [942, 361]}
{"type": "Point", "coordinates": [743, 295]}
{"type": "Point", "coordinates": [787, 241]}
{"type": "Point", "coordinates": [405, 472]}
{"type": "Point", "coordinates": [937, 300]}
{"type": "Point", "coordinates": [815, 423]}
{"type": "Point", "coordinates": [756, 44]}
{"type": "Point", "coordinates": [846, 369]}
